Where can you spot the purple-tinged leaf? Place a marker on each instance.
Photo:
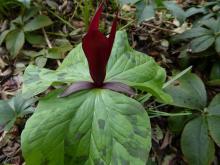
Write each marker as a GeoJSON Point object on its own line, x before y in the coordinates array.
{"type": "Point", "coordinates": [119, 87]}
{"type": "Point", "coordinates": [76, 87]}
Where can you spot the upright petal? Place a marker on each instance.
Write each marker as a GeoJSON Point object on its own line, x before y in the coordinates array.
{"type": "Point", "coordinates": [97, 48]}
{"type": "Point", "coordinates": [113, 30]}
{"type": "Point", "coordinates": [94, 25]}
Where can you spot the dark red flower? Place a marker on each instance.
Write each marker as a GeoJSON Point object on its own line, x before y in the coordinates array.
{"type": "Point", "coordinates": [97, 48]}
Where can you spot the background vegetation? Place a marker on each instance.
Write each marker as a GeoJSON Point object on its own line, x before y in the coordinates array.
{"type": "Point", "coordinates": [182, 36]}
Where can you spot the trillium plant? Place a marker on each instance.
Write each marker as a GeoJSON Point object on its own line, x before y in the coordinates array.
{"type": "Point", "coordinates": [94, 121]}
{"type": "Point", "coordinates": [97, 48]}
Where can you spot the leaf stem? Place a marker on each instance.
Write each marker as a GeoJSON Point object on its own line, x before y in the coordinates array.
{"type": "Point", "coordinates": [177, 77]}
{"type": "Point", "coordinates": [46, 38]}
{"type": "Point", "coordinates": [160, 113]}
{"type": "Point", "coordinates": [159, 28]}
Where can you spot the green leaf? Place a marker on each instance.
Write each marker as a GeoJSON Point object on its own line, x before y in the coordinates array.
{"type": "Point", "coordinates": [15, 41]}
{"type": "Point", "coordinates": [177, 123]}
{"type": "Point", "coordinates": [217, 44]}
{"type": "Point", "coordinates": [213, 24]}
{"type": "Point", "coordinates": [40, 61]}
{"type": "Point", "coordinates": [30, 13]}
{"type": "Point", "coordinates": [6, 113]}
{"type": "Point", "coordinates": [34, 39]}
{"type": "Point", "coordinates": [38, 22]}
{"type": "Point", "coordinates": [193, 10]}
{"type": "Point", "coordinates": [38, 79]}
{"type": "Point", "coordinates": [193, 33]}
{"type": "Point", "coordinates": [197, 146]}
{"type": "Point", "coordinates": [123, 2]}
{"type": "Point", "coordinates": [53, 5]}
{"type": "Point", "coordinates": [177, 76]}
{"type": "Point", "coordinates": [74, 68]}
{"type": "Point", "coordinates": [215, 71]}
{"type": "Point", "coordinates": [144, 12]}
{"type": "Point", "coordinates": [55, 53]}
{"type": "Point", "coordinates": [16, 107]}
{"type": "Point", "coordinates": [25, 2]}
{"type": "Point", "coordinates": [213, 118]}
{"type": "Point", "coordinates": [159, 2]}
{"type": "Point", "coordinates": [91, 127]}
{"type": "Point", "coordinates": [125, 65]}
{"type": "Point", "coordinates": [202, 43]}
{"type": "Point", "coordinates": [3, 36]}
{"type": "Point", "coordinates": [215, 102]}
{"type": "Point", "coordinates": [208, 4]}
{"type": "Point", "coordinates": [188, 92]}
{"type": "Point", "coordinates": [58, 52]}
{"type": "Point", "coordinates": [135, 68]}
{"type": "Point", "coordinates": [176, 10]}
{"type": "Point", "coordinates": [214, 82]}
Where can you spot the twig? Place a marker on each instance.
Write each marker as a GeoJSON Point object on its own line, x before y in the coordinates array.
{"type": "Point", "coordinates": [49, 44]}
{"type": "Point", "coordinates": [128, 24]}
{"type": "Point", "coordinates": [159, 28]}
{"type": "Point", "coordinates": [46, 38]}
{"type": "Point", "coordinates": [119, 17]}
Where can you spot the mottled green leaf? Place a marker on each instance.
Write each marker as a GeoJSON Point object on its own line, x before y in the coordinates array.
{"type": "Point", "coordinates": [74, 68]}
{"type": "Point", "coordinates": [89, 127]}
{"type": "Point", "coordinates": [135, 68]}
{"type": "Point", "coordinates": [125, 65]}
{"type": "Point", "coordinates": [197, 146]}
{"type": "Point", "coordinates": [189, 92]}
{"type": "Point", "coordinates": [37, 23]}
{"type": "Point", "coordinates": [202, 43]}
{"type": "Point", "coordinates": [15, 41]}
{"type": "Point", "coordinates": [38, 79]}
{"type": "Point", "coordinates": [213, 118]}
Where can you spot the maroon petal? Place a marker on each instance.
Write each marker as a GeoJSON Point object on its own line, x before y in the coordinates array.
{"type": "Point", "coordinates": [113, 32]}
{"type": "Point", "coordinates": [119, 87]}
{"type": "Point", "coordinates": [76, 87]}
{"type": "Point", "coordinates": [97, 48]}
{"type": "Point", "coordinates": [94, 25]}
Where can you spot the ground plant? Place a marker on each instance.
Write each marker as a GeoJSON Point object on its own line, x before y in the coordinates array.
{"type": "Point", "coordinates": [109, 82]}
